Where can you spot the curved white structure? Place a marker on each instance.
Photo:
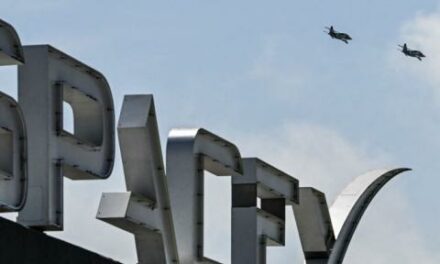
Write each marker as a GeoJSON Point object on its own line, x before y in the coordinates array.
{"type": "Point", "coordinates": [350, 205]}
{"type": "Point", "coordinates": [327, 243]}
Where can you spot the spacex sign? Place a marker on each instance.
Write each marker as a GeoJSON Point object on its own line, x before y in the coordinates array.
{"type": "Point", "coordinates": [163, 205]}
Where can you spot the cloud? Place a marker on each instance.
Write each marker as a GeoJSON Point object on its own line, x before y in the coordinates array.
{"type": "Point", "coordinates": [316, 155]}
{"type": "Point", "coordinates": [274, 71]}
{"type": "Point", "coordinates": [422, 32]}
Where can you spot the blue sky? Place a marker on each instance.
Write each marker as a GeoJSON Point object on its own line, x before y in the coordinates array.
{"type": "Point", "coordinates": [263, 75]}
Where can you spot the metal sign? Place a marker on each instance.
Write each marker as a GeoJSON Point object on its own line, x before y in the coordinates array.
{"type": "Point", "coordinates": [47, 79]}
{"type": "Point", "coordinates": [163, 206]}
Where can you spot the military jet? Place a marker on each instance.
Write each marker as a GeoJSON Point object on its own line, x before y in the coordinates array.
{"type": "Point", "coordinates": [412, 53]}
{"type": "Point", "coordinates": [338, 35]}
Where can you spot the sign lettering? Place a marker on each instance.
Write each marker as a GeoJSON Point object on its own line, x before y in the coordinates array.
{"type": "Point", "coordinates": [163, 206]}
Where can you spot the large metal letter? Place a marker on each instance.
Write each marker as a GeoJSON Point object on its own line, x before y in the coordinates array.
{"type": "Point", "coordinates": [253, 228]}
{"type": "Point", "coordinates": [189, 153]}
{"type": "Point", "coordinates": [145, 209]}
{"type": "Point", "coordinates": [48, 79]}
{"type": "Point", "coordinates": [314, 225]}
{"type": "Point", "coordinates": [315, 228]}
{"type": "Point", "coordinates": [13, 152]}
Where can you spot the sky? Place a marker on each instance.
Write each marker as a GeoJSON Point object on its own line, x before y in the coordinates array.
{"type": "Point", "coordinates": [265, 76]}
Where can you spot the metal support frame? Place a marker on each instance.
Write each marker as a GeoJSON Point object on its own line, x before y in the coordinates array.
{"type": "Point", "coordinates": [322, 245]}
{"type": "Point", "coordinates": [189, 153]}
{"type": "Point", "coordinates": [145, 209]}
{"type": "Point", "coordinates": [47, 79]}
{"type": "Point", "coordinates": [255, 228]}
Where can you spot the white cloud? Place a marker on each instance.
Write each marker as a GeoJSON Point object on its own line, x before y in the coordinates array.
{"type": "Point", "coordinates": [275, 72]}
{"type": "Point", "coordinates": [316, 155]}
{"type": "Point", "coordinates": [422, 32]}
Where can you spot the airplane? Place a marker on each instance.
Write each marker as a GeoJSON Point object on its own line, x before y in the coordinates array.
{"type": "Point", "coordinates": [338, 35]}
{"type": "Point", "coordinates": [412, 53]}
